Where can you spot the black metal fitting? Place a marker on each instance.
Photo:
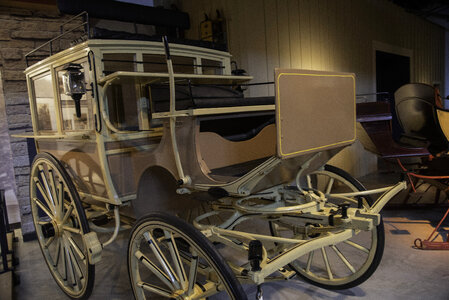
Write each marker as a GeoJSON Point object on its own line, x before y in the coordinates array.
{"type": "Point", "coordinates": [255, 254]}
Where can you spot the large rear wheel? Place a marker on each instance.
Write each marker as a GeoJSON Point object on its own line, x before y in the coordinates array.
{"type": "Point", "coordinates": [60, 224]}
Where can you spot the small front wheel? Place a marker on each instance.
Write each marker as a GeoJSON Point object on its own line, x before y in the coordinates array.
{"type": "Point", "coordinates": [169, 258]}
{"type": "Point", "coordinates": [346, 264]}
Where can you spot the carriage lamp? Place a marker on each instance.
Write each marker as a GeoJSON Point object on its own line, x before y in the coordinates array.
{"type": "Point", "coordinates": [74, 85]}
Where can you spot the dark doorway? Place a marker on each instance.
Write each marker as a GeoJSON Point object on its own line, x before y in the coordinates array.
{"type": "Point", "coordinates": [392, 71]}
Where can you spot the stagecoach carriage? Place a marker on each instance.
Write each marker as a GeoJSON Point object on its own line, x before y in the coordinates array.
{"type": "Point", "coordinates": [161, 137]}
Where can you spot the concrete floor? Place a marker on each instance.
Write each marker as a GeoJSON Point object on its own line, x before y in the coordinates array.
{"type": "Point", "coordinates": [404, 273]}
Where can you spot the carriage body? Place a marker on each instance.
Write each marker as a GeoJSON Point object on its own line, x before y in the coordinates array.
{"type": "Point", "coordinates": [123, 133]}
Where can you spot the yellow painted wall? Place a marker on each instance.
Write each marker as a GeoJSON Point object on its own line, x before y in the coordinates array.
{"type": "Point", "coordinates": [334, 35]}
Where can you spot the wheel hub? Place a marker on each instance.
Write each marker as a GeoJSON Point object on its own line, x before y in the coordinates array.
{"type": "Point", "coordinates": [48, 230]}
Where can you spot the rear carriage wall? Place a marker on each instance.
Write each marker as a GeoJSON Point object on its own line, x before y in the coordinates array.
{"type": "Point", "coordinates": [325, 35]}
{"type": "Point", "coordinates": [21, 30]}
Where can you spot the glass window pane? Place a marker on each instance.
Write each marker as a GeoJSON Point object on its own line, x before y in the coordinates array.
{"type": "Point", "coordinates": [211, 67]}
{"type": "Point", "coordinates": [114, 62]}
{"type": "Point", "coordinates": [123, 98]}
{"type": "Point", "coordinates": [45, 103]}
{"type": "Point", "coordinates": [156, 63]}
{"type": "Point", "coordinates": [70, 121]}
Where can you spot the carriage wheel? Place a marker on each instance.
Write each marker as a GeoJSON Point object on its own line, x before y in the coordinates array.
{"type": "Point", "coordinates": [346, 264]}
{"type": "Point", "coordinates": [169, 258]}
{"type": "Point", "coordinates": [60, 224]}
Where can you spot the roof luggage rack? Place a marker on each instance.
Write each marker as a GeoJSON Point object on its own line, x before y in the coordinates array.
{"type": "Point", "coordinates": [85, 35]}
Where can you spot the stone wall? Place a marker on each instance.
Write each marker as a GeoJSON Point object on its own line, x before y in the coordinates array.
{"type": "Point", "coordinates": [22, 30]}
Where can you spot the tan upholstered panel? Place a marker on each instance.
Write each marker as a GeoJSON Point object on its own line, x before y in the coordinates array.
{"type": "Point", "coordinates": [314, 111]}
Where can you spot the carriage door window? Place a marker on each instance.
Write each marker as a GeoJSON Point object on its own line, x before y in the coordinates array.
{"type": "Point", "coordinates": [45, 103]}
{"type": "Point", "coordinates": [70, 122]}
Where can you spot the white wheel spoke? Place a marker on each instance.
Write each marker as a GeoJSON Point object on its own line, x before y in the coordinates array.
{"type": "Point", "coordinates": [75, 247]}
{"type": "Point", "coordinates": [155, 289]}
{"type": "Point", "coordinates": [44, 195]}
{"type": "Point", "coordinates": [49, 241]}
{"type": "Point", "coordinates": [67, 214]}
{"type": "Point", "coordinates": [64, 262]}
{"type": "Point", "coordinates": [162, 259]}
{"type": "Point", "coordinates": [154, 269]}
{"type": "Point", "coordinates": [343, 258]}
{"type": "Point", "coordinates": [80, 276]}
{"type": "Point", "coordinates": [71, 229]}
{"type": "Point", "coordinates": [309, 261]}
{"type": "Point", "coordinates": [60, 207]}
{"type": "Point", "coordinates": [192, 272]}
{"type": "Point", "coordinates": [176, 259]}
{"type": "Point", "coordinates": [47, 187]}
{"type": "Point", "coordinates": [44, 209]}
{"type": "Point", "coordinates": [58, 254]}
{"type": "Point", "coordinates": [326, 262]}
{"type": "Point", "coordinates": [357, 246]}
{"type": "Point", "coordinates": [53, 191]}
{"type": "Point", "coordinates": [70, 268]}
{"type": "Point", "coordinates": [329, 186]}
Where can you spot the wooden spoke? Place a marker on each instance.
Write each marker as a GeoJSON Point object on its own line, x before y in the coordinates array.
{"type": "Point", "coordinates": [309, 261]}
{"type": "Point", "coordinates": [44, 194]}
{"type": "Point", "coordinates": [58, 254]}
{"type": "Point", "coordinates": [43, 222]}
{"type": "Point", "coordinates": [162, 259]}
{"type": "Point", "coordinates": [154, 269]}
{"type": "Point", "coordinates": [80, 276]}
{"type": "Point", "coordinates": [155, 289]}
{"type": "Point", "coordinates": [329, 186]}
{"type": "Point", "coordinates": [71, 229]}
{"type": "Point", "coordinates": [64, 263]}
{"type": "Point", "coordinates": [176, 259]}
{"type": "Point", "coordinates": [326, 262]}
{"type": "Point", "coordinates": [192, 272]}
{"type": "Point", "coordinates": [60, 200]}
{"type": "Point", "coordinates": [357, 246]}
{"type": "Point", "coordinates": [49, 241]}
{"type": "Point", "coordinates": [44, 209]}
{"type": "Point", "coordinates": [343, 258]}
{"type": "Point", "coordinates": [76, 248]}
{"type": "Point", "coordinates": [67, 214]}
{"type": "Point", "coordinates": [47, 187]}
{"type": "Point", "coordinates": [53, 190]}
{"type": "Point", "coordinates": [70, 267]}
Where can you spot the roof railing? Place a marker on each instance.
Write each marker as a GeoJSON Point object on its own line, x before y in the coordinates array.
{"type": "Point", "coordinates": [85, 24]}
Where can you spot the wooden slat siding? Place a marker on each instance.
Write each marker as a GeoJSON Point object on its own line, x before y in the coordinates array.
{"type": "Point", "coordinates": [283, 34]}
{"type": "Point", "coordinates": [304, 25]}
{"type": "Point", "coordinates": [295, 39]}
{"type": "Point", "coordinates": [271, 21]}
{"type": "Point", "coordinates": [332, 35]}
{"type": "Point", "coordinates": [256, 45]}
